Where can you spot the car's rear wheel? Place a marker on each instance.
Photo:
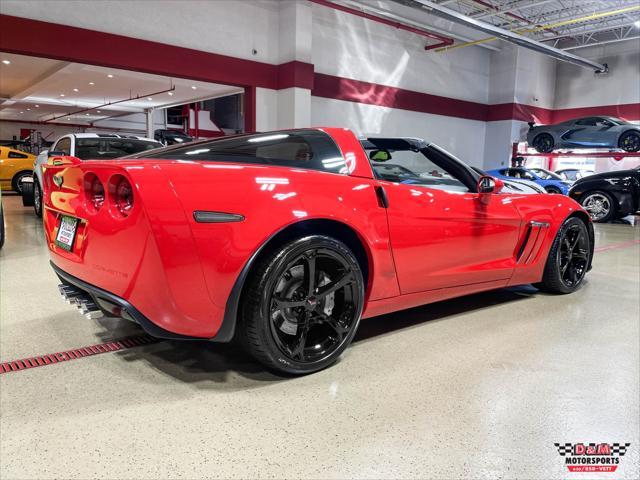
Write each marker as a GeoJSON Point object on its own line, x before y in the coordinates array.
{"type": "Point", "coordinates": [630, 141]}
{"type": "Point", "coordinates": [16, 181]}
{"type": "Point", "coordinates": [552, 189]}
{"type": "Point", "coordinates": [27, 194]}
{"type": "Point", "coordinates": [302, 305]}
{"type": "Point", "coordinates": [599, 205]}
{"type": "Point", "coordinates": [543, 143]}
{"type": "Point", "coordinates": [568, 259]}
{"type": "Point", "coordinates": [37, 197]}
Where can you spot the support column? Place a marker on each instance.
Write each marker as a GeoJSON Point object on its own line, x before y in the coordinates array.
{"type": "Point", "coordinates": [149, 122]}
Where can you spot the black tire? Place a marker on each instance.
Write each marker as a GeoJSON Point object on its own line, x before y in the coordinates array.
{"type": "Point", "coordinates": [600, 205]}
{"type": "Point", "coordinates": [277, 335]}
{"type": "Point", "coordinates": [551, 189]}
{"type": "Point", "coordinates": [569, 258]}
{"type": "Point", "coordinates": [37, 197]}
{"type": "Point", "coordinates": [630, 141]}
{"type": "Point", "coordinates": [27, 193]}
{"type": "Point", "coordinates": [543, 143]}
{"type": "Point", "coordinates": [16, 181]}
{"type": "Point", "coordinates": [1, 226]}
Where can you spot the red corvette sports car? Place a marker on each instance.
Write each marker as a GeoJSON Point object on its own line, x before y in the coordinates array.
{"type": "Point", "coordinates": [285, 240]}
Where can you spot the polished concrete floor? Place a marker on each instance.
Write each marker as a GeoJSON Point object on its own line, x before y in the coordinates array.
{"type": "Point", "coordinates": [478, 387]}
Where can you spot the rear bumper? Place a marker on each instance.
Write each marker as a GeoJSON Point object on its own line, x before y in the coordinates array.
{"type": "Point", "coordinates": [115, 306]}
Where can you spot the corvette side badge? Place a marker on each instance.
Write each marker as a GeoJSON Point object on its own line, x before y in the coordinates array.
{"type": "Point", "coordinates": [57, 179]}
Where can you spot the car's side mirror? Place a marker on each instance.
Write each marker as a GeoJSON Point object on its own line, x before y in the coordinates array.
{"type": "Point", "coordinates": [487, 184]}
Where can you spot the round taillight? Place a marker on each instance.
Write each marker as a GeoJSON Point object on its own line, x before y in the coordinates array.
{"type": "Point", "coordinates": [123, 196]}
{"type": "Point", "coordinates": [94, 191]}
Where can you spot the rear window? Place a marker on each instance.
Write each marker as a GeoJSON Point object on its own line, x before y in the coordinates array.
{"type": "Point", "coordinates": [101, 148]}
{"type": "Point", "coordinates": [309, 149]}
{"type": "Point", "coordinates": [13, 154]}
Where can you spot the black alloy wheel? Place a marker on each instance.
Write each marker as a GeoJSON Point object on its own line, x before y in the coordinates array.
{"type": "Point", "coordinates": [630, 141]}
{"type": "Point", "coordinates": [569, 258]}
{"type": "Point", "coordinates": [303, 305]}
{"type": "Point", "coordinates": [543, 143]}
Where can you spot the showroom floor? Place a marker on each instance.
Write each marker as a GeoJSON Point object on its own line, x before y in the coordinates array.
{"type": "Point", "coordinates": [478, 386]}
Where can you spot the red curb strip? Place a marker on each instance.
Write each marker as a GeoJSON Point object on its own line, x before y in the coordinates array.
{"type": "Point", "coordinates": [614, 246]}
{"type": "Point", "coordinates": [82, 352]}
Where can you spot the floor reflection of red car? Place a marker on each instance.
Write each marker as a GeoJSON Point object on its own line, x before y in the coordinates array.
{"type": "Point", "coordinates": [286, 239]}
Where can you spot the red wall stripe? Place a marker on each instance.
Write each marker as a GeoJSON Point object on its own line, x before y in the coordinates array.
{"type": "Point", "coordinates": [339, 88]}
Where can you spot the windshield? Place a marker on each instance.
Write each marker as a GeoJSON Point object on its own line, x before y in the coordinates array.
{"type": "Point", "coordinates": [546, 174]}
{"type": "Point", "coordinates": [108, 148]}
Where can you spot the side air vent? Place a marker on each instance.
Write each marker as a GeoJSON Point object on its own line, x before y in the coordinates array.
{"type": "Point", "coordinates": [531, 243]}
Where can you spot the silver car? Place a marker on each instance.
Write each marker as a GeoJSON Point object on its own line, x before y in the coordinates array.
{"type": "Point", "coordinates": [588, 132]}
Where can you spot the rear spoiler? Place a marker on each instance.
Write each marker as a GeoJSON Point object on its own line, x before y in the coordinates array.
{"type": "Point", "coordinates": [531, 125]}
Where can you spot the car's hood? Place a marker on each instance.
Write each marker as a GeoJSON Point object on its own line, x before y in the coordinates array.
{"type": "Point", "coordinates": [614, 174]}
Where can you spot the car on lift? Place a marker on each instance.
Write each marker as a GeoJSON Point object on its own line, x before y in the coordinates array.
{"type": "Point", "coordinates": [609, 196]}
{"type": "Point", "coordinates": [15, 166]}
{"type": "Point", "coordinates": [285, 240]}
{"type": "Point", "coordinates": [573, 174]}
{"type": "Point", "coordinates": [587, 132]}
{"type": "Point", "coordinates": [104, 146]}
{"type": "Point", "coordinates": [551, 184]}
{"type": "Point", "coordinates": [171, 137]}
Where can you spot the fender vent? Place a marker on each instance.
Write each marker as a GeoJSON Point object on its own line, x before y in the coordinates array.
{"type": "Point", "coordinates": [531, 243]}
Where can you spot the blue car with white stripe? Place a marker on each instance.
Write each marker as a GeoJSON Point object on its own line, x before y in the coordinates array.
{"type": "Point", "coordinates": [550, 181]}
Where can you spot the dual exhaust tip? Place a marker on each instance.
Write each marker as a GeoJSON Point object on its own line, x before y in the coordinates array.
{"type": "Point", "coordinates": [81, 300]}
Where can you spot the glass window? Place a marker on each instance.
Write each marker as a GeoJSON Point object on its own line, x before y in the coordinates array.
{"type": "Point", "coordinates": [309, 149]}
{"type": "Point", "coordinates": [63, 145]}
{"type": "Point", "coordinates": [13, 154]}
{"type": "Point", "coordinates": [591, 122]}
{"type": "Point", "coordinates": [414, 167]}
{"type": "Point", "coordinates": [519, 173]}
{"type": "Point", "coordinates": [107, 148]}
{"type": "Point", "coordinates": [546, 174]}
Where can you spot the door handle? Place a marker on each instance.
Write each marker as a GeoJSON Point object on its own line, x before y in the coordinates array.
{"type": "Point", "coordinates": [383, 200]}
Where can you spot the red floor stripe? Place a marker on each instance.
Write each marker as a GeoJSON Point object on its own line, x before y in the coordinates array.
{"type": "Point", "coordinates": [76, 353]}
{"type": "Point", "coordinates": [615, 246]}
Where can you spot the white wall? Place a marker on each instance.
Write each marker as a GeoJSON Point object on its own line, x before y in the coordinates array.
{"type": "Point", "coordinates": [581, 87]}
{"type": "Point", "coordinates": [463, 138]}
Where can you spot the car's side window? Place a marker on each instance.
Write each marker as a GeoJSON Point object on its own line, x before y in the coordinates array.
{"type": "Point", "coordinates": [13, 154]}
{"type": "Point", "coordinates": [63, 145]}
{"type": "Point", "coordinates": [309, 149]}
{"type": "Point", "coordinates": [590, 122]}
{"type": "Point", "coordinates": [414, 168]}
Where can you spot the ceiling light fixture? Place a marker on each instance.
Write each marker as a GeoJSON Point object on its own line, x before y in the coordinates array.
{"type": "Point", "coordinates": [109, 76]}
{"type": "Point", "coordinates": [62, 94]}
{"type": "Point", "coordinates": [21, 112]}
{"type": "Point", "coordinates": [76, 90]}
{"type": "Point", "coordinates": [6, 62]}
{"type": "Point", "coordinates": [91, 83]}
{"type": "Point", "coordinates": [170, 94]}
{"type": "Point", "coordinates": [37, 106]}
{"type": "Point", "coordinates": [97, 111]}
{"type": "Point", "coordinates": [193, 87]}
{"type": "Point", "coordinates": [149, 98]}
{"type": "Point", "coordinates": [87, 114]}
{"type": "Point", "coordinates": [28, 109]}
{"type": "Point", "coordinates": [637, 24]}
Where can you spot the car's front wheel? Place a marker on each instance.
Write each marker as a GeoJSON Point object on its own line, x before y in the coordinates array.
{"type": "Point", "coordinates": [552, 189]}
{"type": "Point", "coordinates": [543, 143]}
{"type": "Point", "coordinates": [599, 206]}
{"type": "Point", "coordinates": [302, 305]}
{"type": "Point", "coordinates": [16, 181]}
{"type": "Point", "coordinates": [568, 259]}
{"type": "Point", "coordinates": [630, 141]}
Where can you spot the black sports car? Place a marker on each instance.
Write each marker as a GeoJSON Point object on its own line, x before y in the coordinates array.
{"type": "Point", "coordinates": [171, 137]}
{"type": "Point", "coordinates": [608, 196]}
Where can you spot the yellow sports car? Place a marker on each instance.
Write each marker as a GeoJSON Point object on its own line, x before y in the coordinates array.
{"type": "Point", "coordinates": [14, 165]}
